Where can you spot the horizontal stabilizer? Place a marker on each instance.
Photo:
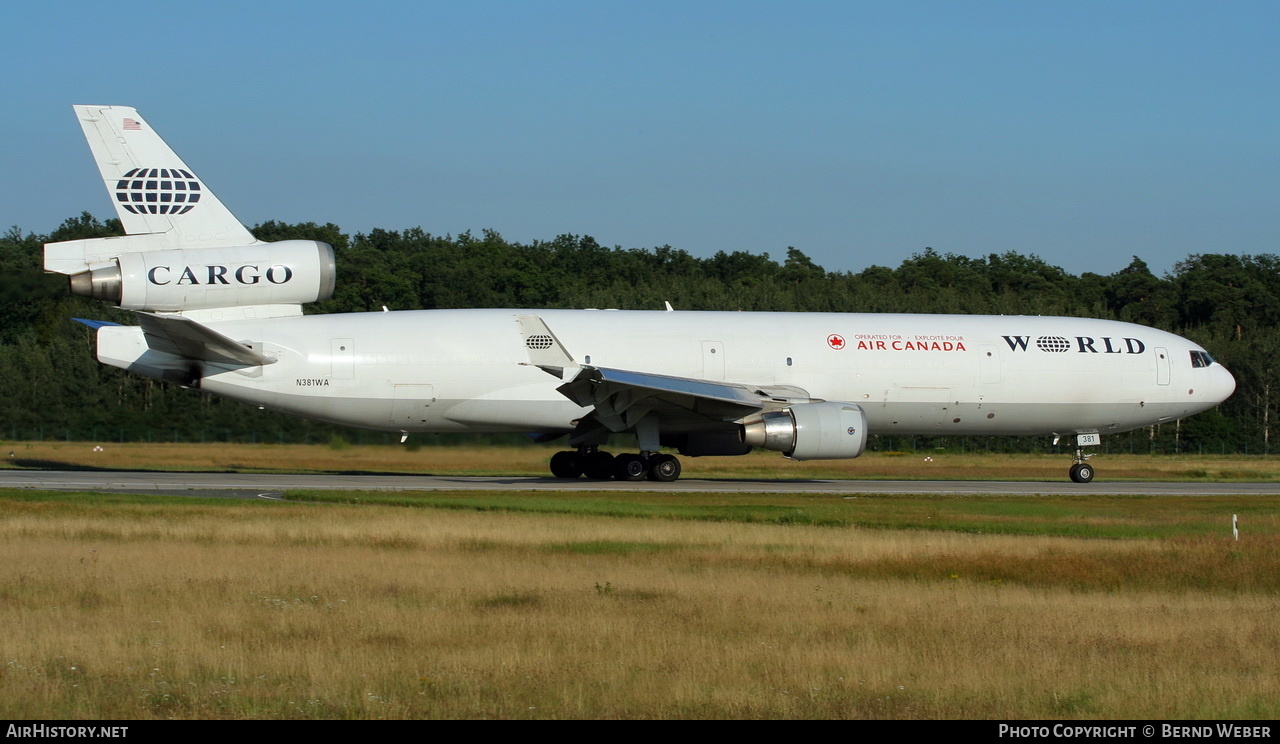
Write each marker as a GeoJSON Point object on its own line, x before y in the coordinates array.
{"type": "Point", "coordinates": [184, 337]}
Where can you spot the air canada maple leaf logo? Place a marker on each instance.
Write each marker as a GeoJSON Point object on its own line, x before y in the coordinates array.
{"type": "Point", "coordinates": [835, 341]}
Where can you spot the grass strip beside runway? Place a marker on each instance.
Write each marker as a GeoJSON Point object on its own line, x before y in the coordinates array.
{"type": "Point", "coordinates": [154, 607]}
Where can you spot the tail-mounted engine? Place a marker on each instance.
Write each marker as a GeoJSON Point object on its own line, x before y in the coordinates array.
{"type": "Point", "coordinates": [288, 272]}
{"type": "Point", "coordinates": [810, 431]}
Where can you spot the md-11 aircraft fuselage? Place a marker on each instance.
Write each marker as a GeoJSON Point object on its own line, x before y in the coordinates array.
{"type": "Point", "coordinates": [467, 370]}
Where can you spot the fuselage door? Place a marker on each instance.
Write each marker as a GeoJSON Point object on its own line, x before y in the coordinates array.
{"type": "Point", "coordinates": [989, 364]}
{"type": "Point", "coordinates": [712, 360]}
{"type": "Point", "coordinates": [1162, 366]}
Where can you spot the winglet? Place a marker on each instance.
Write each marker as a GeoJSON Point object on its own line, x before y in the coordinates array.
{"type": "Point", "coordinates": [545, 350]}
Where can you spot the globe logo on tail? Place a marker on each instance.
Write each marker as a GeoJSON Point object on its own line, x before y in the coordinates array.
{"type": "Point", "coordinates": [158, 191]}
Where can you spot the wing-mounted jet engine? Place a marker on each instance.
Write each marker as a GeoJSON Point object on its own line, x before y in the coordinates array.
{"type": "Point", "coordinates": [810, 431]}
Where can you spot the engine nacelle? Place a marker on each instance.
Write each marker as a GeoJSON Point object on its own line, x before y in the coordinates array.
{"type": "Point", "coordinates": [810, 431]}
{"type": "Point", "coordinates": [288, 272]}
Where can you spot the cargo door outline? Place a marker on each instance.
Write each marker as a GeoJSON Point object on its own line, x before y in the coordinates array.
{"type": "Point", "coordinates": [1162, 366]}
{"type": "Point", "coordinates": [919, 404]}
{"type": "Point", "coordinates": [988, 364]}
{"type": "Point", "coordinates": [411, 406]}
{"type": "Point", "coordinates": [712, 360]}
{"type": "Point", "coordinates": [342, 358]}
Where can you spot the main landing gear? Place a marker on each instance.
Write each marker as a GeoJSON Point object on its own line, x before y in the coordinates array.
{"type": "Point", "coordinates": [599, 465]}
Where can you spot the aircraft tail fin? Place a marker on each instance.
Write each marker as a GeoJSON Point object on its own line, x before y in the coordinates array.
{"type": "Point", "coordinates": [152, 189]}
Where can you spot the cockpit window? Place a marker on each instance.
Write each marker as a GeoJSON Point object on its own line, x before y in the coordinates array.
{"type": "Point", "coordinates": [1201, 359]}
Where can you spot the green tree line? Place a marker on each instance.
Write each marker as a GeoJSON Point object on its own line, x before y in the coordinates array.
{"type": "Point", "coordinates": [55, 388]}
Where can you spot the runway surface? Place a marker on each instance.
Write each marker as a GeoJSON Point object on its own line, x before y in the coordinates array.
{"type": "Point", "coordinates": [249, 485]}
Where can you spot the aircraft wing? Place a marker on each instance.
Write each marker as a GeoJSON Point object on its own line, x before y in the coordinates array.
{"type": "Point", "coordinates": [622, 397]}
{"type": "Point", "coordinates": [184, 337]}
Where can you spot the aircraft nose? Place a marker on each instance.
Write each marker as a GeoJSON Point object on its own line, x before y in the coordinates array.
{"type": "Point", "coordinates": [1224, 383]}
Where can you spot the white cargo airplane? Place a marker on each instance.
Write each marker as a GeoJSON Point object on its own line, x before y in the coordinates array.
{"type": "Point", "coordinates": [222, 312]}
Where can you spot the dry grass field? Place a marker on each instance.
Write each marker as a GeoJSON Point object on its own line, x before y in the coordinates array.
{"type": "Point", "coordinates": [154, 607]}
{"type": "Point", "coordinates": [532, 460]}
{"type": "Point", "coordinates": [635, 605]}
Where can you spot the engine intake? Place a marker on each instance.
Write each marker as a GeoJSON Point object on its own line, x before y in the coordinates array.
{"type": "Point", "coordinates": [810, 431]}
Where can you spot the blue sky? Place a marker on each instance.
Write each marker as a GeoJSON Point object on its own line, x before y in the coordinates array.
{"type": "Point", "coordinates": [860, 133]}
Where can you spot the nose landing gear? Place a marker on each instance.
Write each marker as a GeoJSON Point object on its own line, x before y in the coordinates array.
{"type": "Point", "coordinates": [1081, 471]}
